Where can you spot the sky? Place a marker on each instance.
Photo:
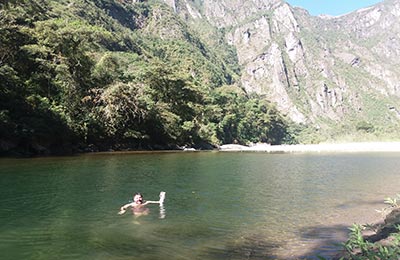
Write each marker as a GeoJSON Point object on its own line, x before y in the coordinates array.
{"type": "Point", "coordinates": [332, 7]}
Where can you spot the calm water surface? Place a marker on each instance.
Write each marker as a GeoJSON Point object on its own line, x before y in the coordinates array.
{"type": "Point", "coordinates": [218, 205]}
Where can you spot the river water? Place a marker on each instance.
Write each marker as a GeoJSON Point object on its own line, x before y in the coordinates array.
{"type": "Point", "coordinates": [218, 205]}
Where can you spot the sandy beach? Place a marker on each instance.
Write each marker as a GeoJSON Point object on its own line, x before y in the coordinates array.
{"type": "Point", "coordinates": [323, 147]}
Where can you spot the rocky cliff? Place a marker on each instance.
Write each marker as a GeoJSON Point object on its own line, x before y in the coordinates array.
{"type": "Point", "coordinates": [333, 73]}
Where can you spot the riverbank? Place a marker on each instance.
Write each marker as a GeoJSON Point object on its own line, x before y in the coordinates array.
{"type": "Point", "coordinates": [374, 241]}
{"type": "Point", "coordinates": [323, 147]}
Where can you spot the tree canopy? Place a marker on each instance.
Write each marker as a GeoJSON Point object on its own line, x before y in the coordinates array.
{"type": "Point", "coordinates": [115, 75]}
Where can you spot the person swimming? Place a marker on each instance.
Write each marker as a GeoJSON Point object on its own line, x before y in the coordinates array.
{"type": "Point", "coordinates": [138, 204]}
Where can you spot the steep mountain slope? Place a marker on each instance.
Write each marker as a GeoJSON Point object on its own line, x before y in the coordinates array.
{"type": "Point", "coordinates": [339, 75]}
{"type": "Point", "coordinates": [125, 74]}
{"type": "Point", "coordinates": [106, 74]}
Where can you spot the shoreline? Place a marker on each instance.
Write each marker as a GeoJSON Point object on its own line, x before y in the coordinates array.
{"type": "Point", "coordinates": [322, 147]}
{"type": "Point", "coordinates": [258, 147]}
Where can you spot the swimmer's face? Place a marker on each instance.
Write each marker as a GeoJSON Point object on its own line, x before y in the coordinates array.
{"type": "Point", "coordinates": [138, 199]}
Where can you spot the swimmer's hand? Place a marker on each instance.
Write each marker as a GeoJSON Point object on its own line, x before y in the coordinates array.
{"type": "Point", "coordinates": [122, 211]}
{"type": "Point", "coordinates": [162, 197]}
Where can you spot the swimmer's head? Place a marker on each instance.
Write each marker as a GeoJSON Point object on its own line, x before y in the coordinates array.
{"type": "Point", "coordinates": [138, 198]}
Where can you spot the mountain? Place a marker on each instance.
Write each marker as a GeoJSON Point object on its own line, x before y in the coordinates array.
{"type": "Point", "coordinates": [92, 75]}
{"type": "Point", "coordinates": [80, 75]}
{"type": "Point", "coordinates": [339, 75]}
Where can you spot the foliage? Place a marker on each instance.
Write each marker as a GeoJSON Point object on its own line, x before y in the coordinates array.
{"type": "Point", "coordinates": [240, 119]}
{"type": "Point", "coordinates": [391, 203]}
{"type": "Point", "coordinates": [365, 126]}
{"type": "Point", "coordinates": [118, 75]}
{"type": "Point", "coordinates": [358, 248]}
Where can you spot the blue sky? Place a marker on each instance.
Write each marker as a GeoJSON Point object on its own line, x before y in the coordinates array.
{"type": "Point", "coordinates": [332, 7]}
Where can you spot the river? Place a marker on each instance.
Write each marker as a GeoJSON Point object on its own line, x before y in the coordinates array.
{"type": "Point", "coordinates": [218, 205]}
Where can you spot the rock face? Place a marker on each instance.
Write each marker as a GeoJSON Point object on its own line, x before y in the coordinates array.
{"type": "Point", "coordinates": [318, 70]}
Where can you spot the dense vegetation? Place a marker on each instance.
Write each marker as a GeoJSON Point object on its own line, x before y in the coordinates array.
{"type": "Point", "coordinates": [104, 74]}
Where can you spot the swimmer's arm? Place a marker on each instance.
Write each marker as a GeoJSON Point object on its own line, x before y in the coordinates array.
{"type": "Point", "coordinates": [161, 201]}
{"type": "Point", "coordinates": [123, 208]}
{"type": "Point", "coordinates": [151, 202]}
{"type": "Point", "coordinates": [127, 206]}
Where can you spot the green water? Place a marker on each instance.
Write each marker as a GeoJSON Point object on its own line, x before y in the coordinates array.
{"type": "Point", "coordinates": [218, 205]}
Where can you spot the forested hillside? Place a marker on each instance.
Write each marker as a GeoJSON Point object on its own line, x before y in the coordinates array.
{"type": "Point", "coordinates": [339, 76]}
{"type": "Point", "coordinates": [80, 75]}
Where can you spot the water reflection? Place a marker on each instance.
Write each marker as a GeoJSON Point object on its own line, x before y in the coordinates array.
{"type": "Point", "coordinates": [162, 211]}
